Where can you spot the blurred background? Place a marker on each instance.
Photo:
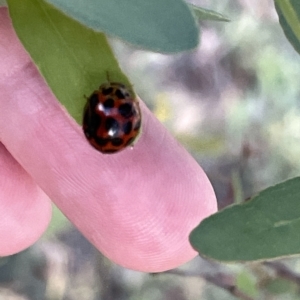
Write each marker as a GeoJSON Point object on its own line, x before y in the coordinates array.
{"type": "Point", "coordinates": [234, 104]}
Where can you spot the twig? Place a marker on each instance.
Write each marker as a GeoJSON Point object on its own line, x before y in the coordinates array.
{"type": "Point", "coordinates": [221, 280]}
{"type": "Point", "coordinates": [283, 271]}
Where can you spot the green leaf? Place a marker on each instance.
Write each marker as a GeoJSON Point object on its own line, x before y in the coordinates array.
{"type": "Point", "coordinates": [207, 14]}
{"type": "Point", "coordinates": [265, 227]}
{"type": "Point", "coordinates": [289, 18]}
{"type": "Point", "coordinates": [73, 59]}
{"type": "Point", "coordinates": [160, 25]}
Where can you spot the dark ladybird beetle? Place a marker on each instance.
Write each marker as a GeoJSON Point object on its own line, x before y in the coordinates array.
{"type": "Point", "coordinates": [112, 118]}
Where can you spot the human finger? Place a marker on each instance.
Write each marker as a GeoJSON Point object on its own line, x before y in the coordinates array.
{"type": "Point", "coordinates": [137, 206]}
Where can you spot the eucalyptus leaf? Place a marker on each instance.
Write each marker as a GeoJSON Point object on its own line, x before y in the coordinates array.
{"type": "Point", "coordinates": [204, 14]}
{"type": "Point", "coordinates": [160, 25]}
{"type": "Point", "coordinates": [289, 18]}
{"type": "Point", "coordinates": [73, 59]}
{"type": "Point", "coordinates": [262, 228]}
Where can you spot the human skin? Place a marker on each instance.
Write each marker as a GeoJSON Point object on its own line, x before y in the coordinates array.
{"type": "Point", "coordinates": [137, 206]}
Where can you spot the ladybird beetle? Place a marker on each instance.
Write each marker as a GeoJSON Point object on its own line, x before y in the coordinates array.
{"type": "Point", "coordinates": [112, 118]}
